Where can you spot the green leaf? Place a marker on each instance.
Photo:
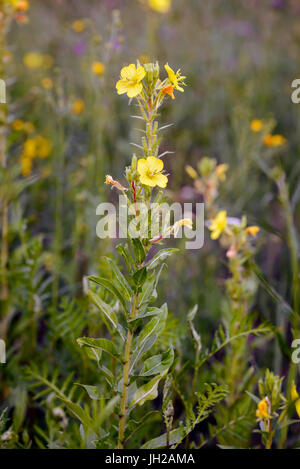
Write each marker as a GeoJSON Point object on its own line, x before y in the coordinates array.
{"type": "Point", "coordinates": [139, 278]}
{"type": "Point", "coordinates": [175, 436]}
{"type": "Point", "coordinates": [123, 285]}
{"type": "Point", "coordinates": [139, 250]}
{"type": "Point", "coordinates": [158, 364]}
{"type": "Point", "coordinates": [147, 392]}
{"type": "Point", "coordinates": [160, 257]}
{"type": "Point", "coordinates": [102, 344]}
{"type": "Point", "coordinates": [108, 285]}
{"type": "Point", "coordinates": [78, 412]}
{"type": "Point", "coordinates": [124, 252]}
{"type": "Point", "coordinates": [93, 391]}
{"type": "Point", "coordinates": [107, 311]}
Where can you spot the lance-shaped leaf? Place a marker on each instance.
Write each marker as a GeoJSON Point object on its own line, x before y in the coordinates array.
{"type": "Point", "coordinates": [139, 250]}
{"type": "Point", "coordinates": [147, 392]}
{"type": "Point", "coordinates": [124, 252]}
{"type": "Point", "coordinates": [139, 278]}
{"type": "Point", "coordinates": [160, 257]}
{"type": "Point", "coordinates": [107, 311]}
{"type": "Point", "coordinates": [123, 285]}
{"type": "Point", "coordinates": [175, 436]}
{"type": "Point", "coordinates": [108, 285]}
{"type": "Point", "coordinates": [158, 364]}
{"type": "Point", "coordinates": [102, 344]}
{"type": "Point", "coordinates": [93, 391]}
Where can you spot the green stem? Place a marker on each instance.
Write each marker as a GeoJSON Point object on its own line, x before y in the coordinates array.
{"type": "Point", "coordinates": [126, 368]}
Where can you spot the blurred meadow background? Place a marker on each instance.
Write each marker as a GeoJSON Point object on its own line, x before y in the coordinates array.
{"type": "Point", "coordinates": [64, 128]}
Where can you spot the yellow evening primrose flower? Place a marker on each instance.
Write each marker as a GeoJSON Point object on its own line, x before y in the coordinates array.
{"type": "Point", "coordinates": [130, 82]}
{"type": "Point", "coordinates": [98, 68]}
{"type": "Point", "coordinates": [218, 224]}
{"type": "Point", "coordinates": [295, 398]}
{"type": "Point", "coordinates": [256, 125]}
{"type": "Point", "coordinates": [150, 171]}
{"type": "Point", "coordinates": [22, 5]}
{"type": "Point", "coordinates": [162, 6]}
{"type": "Point", "coordinates": [262, 410]}
{"type": "Point", "coordinates": [175, 79]}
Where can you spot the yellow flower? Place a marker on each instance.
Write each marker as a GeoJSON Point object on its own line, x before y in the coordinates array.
{"type": "Point", "coordinates": [262, 410]}
{"type": "Point", "coordinates": [218, 224]}
{"type": "Point", "coordinates": [78, 26]}
{"type": "Point", "coordinates": [276, 140]}
{"type": "Point", "coordinates": [22, 5]}
{"type": "Point", "coordinates": [98, 68]}
{"type": "Point", "coordinates": [150, 171]}
{"type": "Point", "coordinates": [18, 124]}
{"type": "Point", "coordinates": [26, 166]}
{"type": "Point", "coordinates": [130, 83]}
{"type": "Point", "coordinates": [43, 147]}
{"type": "Point", "coordinates": [47, 83]}
{"type": "Point", "coordinates": [252, 230]}
{"type": "Point", "coordinates": [169, 90]}
{"type": "Point", "coordinates": [30, 148]}
{"type": "Point", "coordinates": [221, 171]}
{"type": "Point", "coordinates": [295, 398]}
{"type": "Point", "coordinates": [191, 171]}
{"type": "Point", "coordinates": [162, 6]}
{"type": "Point", "coordinates": [256, 125]}
{"type": "Point", "coordinates": [78, 107]}
{"type": "Point", "coordinates": [33, 60]}
{"type": "Point", "coordinates": [175, 79]}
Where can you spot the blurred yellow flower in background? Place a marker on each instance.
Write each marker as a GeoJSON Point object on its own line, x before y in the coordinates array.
{"type": "Point", "coordinates": [22, 5]}
{"type": "Point", "coordinates": [26, 166]}
{"type": "Point", "coordinates": [256, 125]}
{"type": "Point", "coordinates": [191, 171]}
{"type": "Point", "coordinates": [150, 171]}
{"type": "Point", "coordinates": [43, 147]}
{"type": "Point", "coordinates": [78, 107]}
{"type": "Point", "coordinates": [98, 68]}
{"type": "Point", "coordinates": [218, 224]}
{"type": "Point", "coordinates": [276, 140]}
{"type": "Point", "coordinates": [47, 83]}
{"type": "Point", "coordinates": [162, 6]}
{"type": "Point", "coordinates": [29, 148]}
{"type": "Point", "coordinates": [221, 170]}
{"type": "Point", "coordinates": [17, 124]}
{"type": "Point", "coordinates": [78, 26]}
{"type": "Point", "coordinates": [33, 60]}
{"type": "Point", "coordinates": [252, 230]}
{"type": "Point", "coordinates": [130, 83]}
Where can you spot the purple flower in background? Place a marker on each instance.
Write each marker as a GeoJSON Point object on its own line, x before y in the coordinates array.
{"type": "Point", "coordinates": [79, 48]}
{"type": "Point", "coordinates": [116, 44]}
{"type": "Point", "coordinates": [278, 4]}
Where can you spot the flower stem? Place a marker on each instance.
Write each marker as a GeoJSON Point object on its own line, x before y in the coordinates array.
{"type": "Point", "coordinates": [126, 368]}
